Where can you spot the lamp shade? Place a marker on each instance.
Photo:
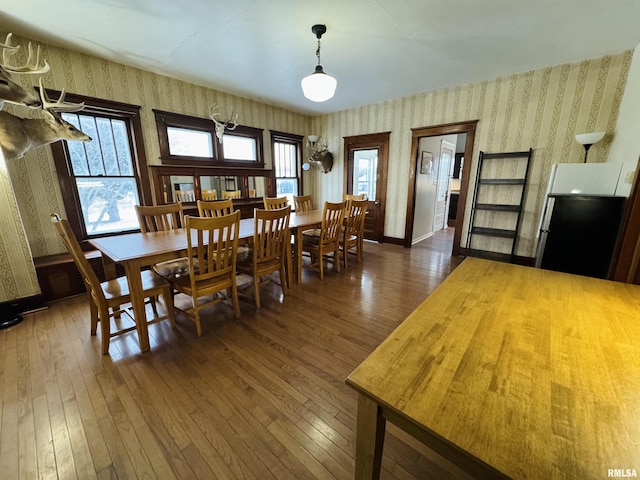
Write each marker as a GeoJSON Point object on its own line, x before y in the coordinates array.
{"type": "Point", "coordinates": [589, 138]}
{"type": "Point", "coordinates": [318, 87]}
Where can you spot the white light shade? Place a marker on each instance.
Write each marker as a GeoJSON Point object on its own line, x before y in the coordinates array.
{"type": "Point", "coordinates": [313, 138]}
{"type": "Point", "coordinates": [589, 138]}
{"type": "Point", "coordinates": [318, 87]}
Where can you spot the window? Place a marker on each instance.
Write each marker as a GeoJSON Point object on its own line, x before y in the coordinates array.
{"type": "Point", "coordinates": [186, 140]}
{"type": "Point", "coordinates": [239, 148]}
{"type": "Point", "coordinates": [287, 152]}
{"type": "Point", "coordinates": [103, 179]}
{"type": "Point", "coordinates": [189, 143]}
{"type": "Point", "coordinates": [365, 167]}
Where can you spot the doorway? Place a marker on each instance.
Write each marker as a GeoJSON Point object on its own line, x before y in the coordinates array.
{"type": "Point", "coordinates": [366, 160]}
{"type": "Point", "coordinates": [439, 130]}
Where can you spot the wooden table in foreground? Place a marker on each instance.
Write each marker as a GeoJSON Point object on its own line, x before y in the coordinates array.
{"type": "Point", "coordinates": [511, 372]}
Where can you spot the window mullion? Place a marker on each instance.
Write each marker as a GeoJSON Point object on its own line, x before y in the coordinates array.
{"type": "Point", "coordinates": [115, 147]}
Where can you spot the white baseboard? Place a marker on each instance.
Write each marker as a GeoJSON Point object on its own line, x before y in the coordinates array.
{"type": "Point", "coordinates": [419, 239]}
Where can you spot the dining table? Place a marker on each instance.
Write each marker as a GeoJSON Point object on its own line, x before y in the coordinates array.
{"type": "Point", "coordinates": [135, 251]}
{"type": "Point", "coordinates": [510, 372]}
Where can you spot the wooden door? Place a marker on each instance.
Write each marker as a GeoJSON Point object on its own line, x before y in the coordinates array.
{"type": "Point", "coordinates": [468, 127]}
{"type": "Point", "coordinates": [366, 159]}
{"type": "Point", "coordinates": [445, 160]}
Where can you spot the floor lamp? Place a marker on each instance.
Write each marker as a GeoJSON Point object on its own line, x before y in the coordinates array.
{"type": "Point", "coordinates": [588, 139]}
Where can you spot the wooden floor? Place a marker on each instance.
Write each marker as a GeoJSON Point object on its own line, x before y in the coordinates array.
{"type": "Point", "coordinates": [262, 397]}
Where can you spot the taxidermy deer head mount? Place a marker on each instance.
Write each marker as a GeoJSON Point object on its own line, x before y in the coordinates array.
{"type": "Point", "coordinates": [10, 91]}
{"type": "Point", "coordinates": [320, 154]}
{"type": "Point", "coordinates": [221, 126]}
{"type": "Point", "coordinates": [19, 135]}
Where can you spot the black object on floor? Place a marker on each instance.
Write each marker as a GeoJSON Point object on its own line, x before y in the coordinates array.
{"type": "Point", "coordinates": [9, 316]}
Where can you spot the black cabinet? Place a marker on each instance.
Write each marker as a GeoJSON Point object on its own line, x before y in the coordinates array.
{"type": "Point", "coordinates": [581, 235]}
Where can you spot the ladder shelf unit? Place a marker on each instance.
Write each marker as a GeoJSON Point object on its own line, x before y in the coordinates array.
{"type": "Point", "coordinates": [487, 197]}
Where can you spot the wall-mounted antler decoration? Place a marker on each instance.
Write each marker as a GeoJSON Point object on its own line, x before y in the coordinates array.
{"type": "Point", "coordinates": [221, 126]}
{"type": "Point", "coordinates": [10, 91]}
{"type": "Point", "coordinates": [19, 135]}
{"type": "Point", "coordinates": [320, 154]}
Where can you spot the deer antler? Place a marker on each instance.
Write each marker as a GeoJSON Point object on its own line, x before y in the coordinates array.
{"type": "Point", "coordinates": [7, 44]}
{"type": "Point", "coordinates": [32, 64]}
{"type": "Point", "coordinates": [220, 126]}
{"type": "Point", "coordinates": [234, 122]}
{"type": "Point", "coordinates": [59, 105]}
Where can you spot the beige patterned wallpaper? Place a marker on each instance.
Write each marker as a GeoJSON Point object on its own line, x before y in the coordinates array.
{"type": "Point", "coordinates": [17, 273]}
{"type": "Point", "coordinates": [542, 109]}
{"type": "Point", "coordinates": [34, 178]}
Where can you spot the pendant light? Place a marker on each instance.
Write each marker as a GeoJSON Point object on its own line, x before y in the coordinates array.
{"type": "Point", "coordinates": [318, 87]}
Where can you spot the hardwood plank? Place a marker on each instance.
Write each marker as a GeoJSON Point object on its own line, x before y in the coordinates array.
{"type": "Point", "coordinates": [9, 421]}
{"type": "Point", "coordinates": [79, 444]}
{"type": "Point", "coordinates": [44, 439]}
{"type": "Point", "coordinates": [28, 463]}
{"type": "Point", "coordinates": [258, 397]}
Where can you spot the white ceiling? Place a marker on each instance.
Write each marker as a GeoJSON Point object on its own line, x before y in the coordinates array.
{"type": "Point", "coordinates": [377, 49]}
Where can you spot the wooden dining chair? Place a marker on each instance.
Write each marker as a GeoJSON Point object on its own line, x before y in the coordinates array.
{"type": "Point", "coordinates": [215, 209]}
{"type": "Point", "coordinates": [353, 232]}
{"type": "Point", "coordinates": [211, 249]}
{"type": "Point", "coordinates": [303, 203]}
{"type": "Point", "coordinates": [184, 195]}
{"type": "Point", "coordinates": [348, 197]}
{"type": "Point", "coordinates": [252, 193]}
{"type": "Point", "coordinates": [231, 194]}
{"type": "Point", "coordinates": [107, 298]}
{"type": "Point", "coordinates": [209, 195]}
{"type": "Point", "coordinates": [269, 249]}
{"type": "Point", "coordinates": [157, 218]}
{"type": "Point", "coordinates": [218, 209]}
{"type": "Point", "coordinates": [325, 240]}
{"type": "Point", "coordinates": [273, 203]}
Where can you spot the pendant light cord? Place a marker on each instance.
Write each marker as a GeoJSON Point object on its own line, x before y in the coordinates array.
{"type": "Point", "coordinates": [318, 52]}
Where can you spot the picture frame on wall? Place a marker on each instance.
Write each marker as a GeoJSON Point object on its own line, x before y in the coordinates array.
{"type": "Point", "coordinates": [426, 162]}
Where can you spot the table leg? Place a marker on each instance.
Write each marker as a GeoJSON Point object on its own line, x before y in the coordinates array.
{"type": "Point", "coordinates": [288, 254]}
{"type": "Point", "coordinates": [298, 245]}
{"type": "Point", "coordinates": [132, 269]}
{"type": "Point", "coordinates": [109, 267]}
{"type": "Point", "coordinates": [369, 439]}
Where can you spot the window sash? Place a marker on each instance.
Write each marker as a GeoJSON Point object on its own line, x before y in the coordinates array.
{"type": "Point", "coordinates": [102, 171]}
{"type": "Point", "coordinates": [285, 160]}
{"type": "Point", "coordinates": [287, 152]}
{"type": "Point", "coordinates": [189, 143]}
{"type": "Point", "coordinates": [239, 148]}
{"type": "Point", "coordinates": [108, 204]}
{"type": "Point", "coordinates": [116, 154]}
